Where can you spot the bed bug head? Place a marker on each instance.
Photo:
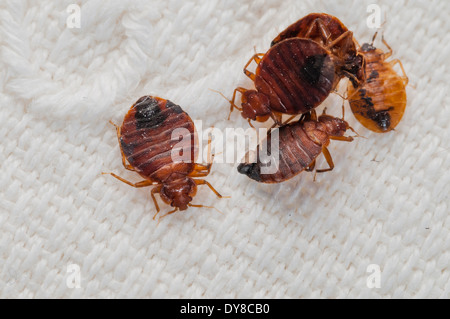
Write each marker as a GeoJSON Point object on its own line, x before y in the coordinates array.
{"type": "Point", "coordinates": [369, 50]}
{"type": "Point", "coordinates": [367, 47]}
{"type": "Point", "coordinates": [354, 68]}
{"type": "Point", "coordinates": [179, 193]}
{"type": "Point", "coordinates": [333, 126]}
{"type": "Point", "coordinates": [255, 105]}
{"type": "Point", "coordinates": [348, 61]}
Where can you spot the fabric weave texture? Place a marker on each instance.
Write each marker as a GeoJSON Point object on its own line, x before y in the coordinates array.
{"type": "Point", "coordinates": [386, 203]}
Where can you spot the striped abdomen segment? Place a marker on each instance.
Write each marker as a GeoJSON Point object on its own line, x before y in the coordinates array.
{"type": "Point", "coordinates": [296, 152]}
{"type": "Point", "coordinates": [147, 137]}
{"type": "Point", "coordinates": [296, 75]}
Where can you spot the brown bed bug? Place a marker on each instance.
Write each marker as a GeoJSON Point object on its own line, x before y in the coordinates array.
{"type": "Point", "coordinates": [293, 77]}
{"type": "Point", "coordinates": [330, 32]}
{"type": "Point", "coordinates": [299, 144]}
{"type": "Point", "coordinates": [379, 102]}
{"type": "Point", "coordinates": [148, 140]}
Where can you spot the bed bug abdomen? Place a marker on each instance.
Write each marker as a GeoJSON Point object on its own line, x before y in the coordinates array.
{"type": "Point", "coordinates": [305, 28]}
{"type": "Point", "coordinates": [332, 34]}
{"type": "Point", "coordinates": [296, 75]}
{"type": "Point", "coordinates": [147, 141]}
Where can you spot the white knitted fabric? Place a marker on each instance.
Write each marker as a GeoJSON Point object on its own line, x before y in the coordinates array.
{"type": "Point", "coordinates": [384, 207]}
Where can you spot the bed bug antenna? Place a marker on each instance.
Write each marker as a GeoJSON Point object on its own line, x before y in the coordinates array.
{"type": "Point", "coordinates": [223, 95]}
{"type": "Point", "coordinates": [203, 206]}
{"type": "Point", "coordinates": [357, 134]}
{"type": "Point", "coordinates": [380, 27]}
{"type": "Point", "coordinates": [373, 38]}
{"type": "Point", "coordinates": [232, 104]}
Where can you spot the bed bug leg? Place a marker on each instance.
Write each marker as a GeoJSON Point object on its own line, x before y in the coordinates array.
{"type": "Point", "coordinates": [124, 161]}
{"type": "Point", "coordinates": [232, 104]}
{"type": "Point", "coordinates": [277, 119]}
{"type": "Point", "coordinates": [343, 138]}
{"type": "Point", "coordinates": [405, 78]}
{"type": "Point", "coordinates": [257, 58]}
{"type": "Point", "coordinates": [346, 36]}
{"type": "Point", "coordinates": [202, 170]}
{"type": "Point", "coordinates": [137, 185]}
{"type": "Point", "coordinates": [339, 94]}
{"type": "Point", "coordinates": [389, 53]}
{"type": "Point", "coordinates": [204, 182]}
{"type": "Point", "coordinates": [343, 111]}
{"type": "Point", "coordinates": [125, 164]}
{"type": "Point", "coordinates": [250, 123]}
{"type": "Point", "coordinates": [313, 115]}
{"type": "Point", "coordinates": [349, 127]}
{"type": "Point", "coordinates": [311, 166]}
{"type": "Point", "coordinates": [154, 191]}
{"type": "Point", "coordinates": [275, 124]}
{"type": "Point", "coordinates": [324, 32]}
{"type": "Point", "coordinates": [166, 214]}
{"type": "Point", "coordinates": [327, 155]}
{"type": "Point", "coordinates": [352, 78]}
{"type": "Point", "coordinates": [233, 99]}
{"type": "Point", "coordinates": [290, 118]}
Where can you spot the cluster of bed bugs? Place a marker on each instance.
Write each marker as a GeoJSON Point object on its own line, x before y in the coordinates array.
{"type": "Point", "coordinates": [304, 64]}
{"type": "Point", "coordinates": [376, 93]}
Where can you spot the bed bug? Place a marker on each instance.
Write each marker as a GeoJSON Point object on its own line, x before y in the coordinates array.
{"type": "Point", "coordinates": [148, 142]}
{"type": "Point", "coordinates": [330, 32]}
{"type": "Point", "coordinates": [293, 77]}
{"type": "Point", "coordinates": [379, 103]}
{"type": "Point", "coordinates": [299, 144]}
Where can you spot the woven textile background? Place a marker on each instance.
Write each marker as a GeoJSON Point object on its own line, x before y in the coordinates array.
{"type": "Point", "coordinates": [386, 203]}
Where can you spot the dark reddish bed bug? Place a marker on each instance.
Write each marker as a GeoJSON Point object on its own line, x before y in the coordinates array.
{"type": "Point", "coordinates": [300, 143]}
{"type": "Point", "coordinates": [379, 103]}
{"type": "Point", "coordinates": [147, 142]}
{"type": "Point", "coordinates": [293, 77]}
{"type": "Point", "coordinates": [330, 32]}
